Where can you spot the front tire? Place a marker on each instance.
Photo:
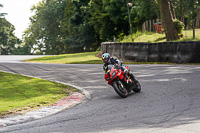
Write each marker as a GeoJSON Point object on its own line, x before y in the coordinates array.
{"type": "Point", "coordinates": [120, 89]}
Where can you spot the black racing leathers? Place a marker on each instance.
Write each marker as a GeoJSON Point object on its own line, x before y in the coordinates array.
{"type": "Point", "coordinates": [118, 64]}
{"type": "Point", "coordinates": [112, 61]}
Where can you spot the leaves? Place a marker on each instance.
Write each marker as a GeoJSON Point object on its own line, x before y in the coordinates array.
{"type": "Point", "coordinates": [7, 38]}
{"type": "Point", "coordinates": [66, 26]}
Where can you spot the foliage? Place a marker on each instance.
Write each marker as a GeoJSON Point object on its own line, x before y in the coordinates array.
{"type": "Point", "coordinates": [144, 10]}
{"type": "Point", "coordinates": [44, 35]}
{"type": "Point", "coordinates": [71, 26]}
{"type": "Point", "coordinates": [66, 26]}
{"type": "Point", "coordinates": [8, 41]}
{"type": "Point", "coordinates": [190, 10]}
{"type": "Point", "coordinates": [179, 26]}
{"type": "Point", "coordinates": [82, 37]}
{"type": "Point", "coordinates": [2, 14]}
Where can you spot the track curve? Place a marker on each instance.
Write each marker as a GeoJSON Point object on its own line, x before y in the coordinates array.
{"type": "Point", "coordinates": [169, 100]}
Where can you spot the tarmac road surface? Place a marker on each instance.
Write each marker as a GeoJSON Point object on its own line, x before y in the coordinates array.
{"type": "Point", "coordinates": [168, 103]}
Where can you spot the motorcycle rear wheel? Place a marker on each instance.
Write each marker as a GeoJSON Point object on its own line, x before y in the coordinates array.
{"type": "Point", "coordinates": [120, 89]}
{"type": "Point", "coordinates": [137, 87]}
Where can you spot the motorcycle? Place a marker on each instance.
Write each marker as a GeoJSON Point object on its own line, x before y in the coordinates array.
{"type": "Point", "coordinates": [122, 84]}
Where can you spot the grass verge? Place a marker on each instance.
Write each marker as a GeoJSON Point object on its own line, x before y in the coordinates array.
{"type": "Point", "coordinates": [145, 37]}
{"type": "Point", "coordinates": [155, 37]}
{"type": "Point", "coordinates": [78, 58]}
{"type": "Point", "coordinates": [19, 94]}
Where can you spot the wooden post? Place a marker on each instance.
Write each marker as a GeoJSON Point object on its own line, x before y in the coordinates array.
{"type": "Point", "coordinates": [150, 25]}
{"type": "Point", "coordinates": [147, 26]}
{"type": "Point", "coordinates": [157, 20]}
{"type": "Point", "coordinates": [143, 27]}
{"type": "Point", "coordinates": [194, 29]}
{"type": "Point", "coordinates": [197, 23]}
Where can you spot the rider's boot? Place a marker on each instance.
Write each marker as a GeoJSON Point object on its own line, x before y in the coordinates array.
{"type": "Point", "coordinates": [128, 73]}
{"type": "Point", "coordinates": [132, 76]}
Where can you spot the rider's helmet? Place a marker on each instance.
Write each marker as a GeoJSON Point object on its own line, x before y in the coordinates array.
{"type": "Point", "coordinates": [105, 57]}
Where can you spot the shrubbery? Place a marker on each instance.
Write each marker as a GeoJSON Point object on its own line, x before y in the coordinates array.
{"type": "Point", "coordinates": [179, 27]}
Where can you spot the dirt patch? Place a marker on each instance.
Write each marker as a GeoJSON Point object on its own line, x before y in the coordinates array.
{"type": "Point", "coordinates": [99, 55]}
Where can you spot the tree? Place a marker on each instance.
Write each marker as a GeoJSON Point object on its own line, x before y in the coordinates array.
{"type": "Point", "coordinates": [44, 33]}
{"type": "Point", "coordinates": [181, 11]}
{"type": "Point", "coordinates": [2, 14]}
{"type": "Point", "coordinates": [144, 10]}
{"type": "Point", "coordinates": [198, 15]}
{"type": "Point", "coordinates": [167, 16]}
{"type": "Point", "coordinates": [103, 25]}
{"type": "Point", "coordinates": [82, 33]}
{"type": "Point", "coordinates": [66, 26]}
{"type": "Point", "coordinates": [8, 40]}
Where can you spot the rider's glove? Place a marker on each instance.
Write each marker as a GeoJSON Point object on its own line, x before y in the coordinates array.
{"type": "Point", "coordinates": [108, 72]}
{"type": "Point", "coordinates": [126, 71]}
{"type": "Point", "coordinates": [116, 65]}
{"type": "Point", "coordinates": [105, 68]}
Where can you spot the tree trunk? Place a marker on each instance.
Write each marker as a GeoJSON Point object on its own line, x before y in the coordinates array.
{"type": "Point", "coordinates": [171, 8]}
{"type": "Point", "coordinates": [198, 19]}
{"type": "Point", "coordinates": [167, 16]}
{"type": "Point", "coordinates": [198, 16]}
{"type": "Point", "coordinates": [181, 7]}
{"type": "Point", "coordinates": [193, 29]}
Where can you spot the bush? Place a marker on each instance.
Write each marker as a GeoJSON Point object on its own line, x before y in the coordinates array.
{"type": "Point", "coordinates": [98, 49]}
{"type": "Point", "coordinates": [179, 26]}
{"type": "Point", "coordinates": [121, 36]}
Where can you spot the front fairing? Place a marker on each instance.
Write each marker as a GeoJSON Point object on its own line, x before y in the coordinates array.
{"type": "Point", "coordinates": [113, 73]}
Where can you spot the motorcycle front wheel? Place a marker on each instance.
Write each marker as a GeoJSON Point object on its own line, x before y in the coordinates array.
{"type": "Point", "coordinates": [120, 89]}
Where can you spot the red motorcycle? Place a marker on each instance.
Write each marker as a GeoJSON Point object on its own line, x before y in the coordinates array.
{"type": "Point", "coordinates": [122, 84]}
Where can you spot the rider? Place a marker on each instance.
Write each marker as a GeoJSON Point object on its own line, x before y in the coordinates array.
{"type": "Point", "coordinates": [118, 64]}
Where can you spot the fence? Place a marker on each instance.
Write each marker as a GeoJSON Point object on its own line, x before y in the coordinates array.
{"type": "Point", "coordinates": [152, 26]}
{"type": "Point", "coordinates": [176, 52]}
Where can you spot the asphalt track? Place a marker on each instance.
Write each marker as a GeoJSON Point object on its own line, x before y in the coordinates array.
{"type": "Point", "coordinates": [168, 103]}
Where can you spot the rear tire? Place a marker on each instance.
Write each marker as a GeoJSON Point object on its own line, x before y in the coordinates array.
{"type": "Point", "coordinates": [137, 86]}
{"type": "Point", "coordinates": [120, 89]}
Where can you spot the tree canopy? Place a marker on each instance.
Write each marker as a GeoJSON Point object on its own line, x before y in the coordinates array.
{"type": "Point", "coordinates": [68, 26]}
{"type": "Point", "coordinates": [65, 26]}
{"type": "Point", "coordinates": [8, 41]}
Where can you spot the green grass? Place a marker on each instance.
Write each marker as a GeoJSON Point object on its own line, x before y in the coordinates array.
{"type": "Point", "coordinates": [155, 37]}
{"type": "Point", "coordinates": [78, 58]}
{"type": "Point", "coordinates": [20, 93]}
{"type": "Point", "coordinates": [145, 37]}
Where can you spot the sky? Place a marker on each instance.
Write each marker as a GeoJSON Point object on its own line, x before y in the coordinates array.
{"type": "Point", "coordinates": [18, 13]}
